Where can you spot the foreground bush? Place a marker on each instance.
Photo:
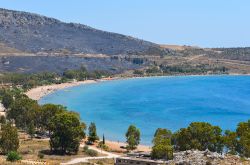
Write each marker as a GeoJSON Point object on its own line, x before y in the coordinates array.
{"type": "Point", "coordinates": [13, 156]}
{"type": "Point", "coordinates": [85, 148]}
{"type": "Point", "coordinates": [91, 152]}
{"type": "Point", "coordinates": [103, 146]}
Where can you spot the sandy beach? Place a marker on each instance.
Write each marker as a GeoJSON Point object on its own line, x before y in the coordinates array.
{"type": "Point", "coordinates": [41, 91]}
{"type": "Point", "coordinates": [116, 146]}
{"type": "Point", "coordinates": [119, 147]}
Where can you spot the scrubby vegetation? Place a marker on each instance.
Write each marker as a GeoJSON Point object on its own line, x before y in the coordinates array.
{"type": "Point", "coordinates": [242, 53]}
{"type": "Point", "coordinates": [183, 69]}
{"type": "Point", "coordinates": [28, 81]}
{"type": "Point", "coordinates": [13, 156]}
{"type": "Point", "coordinates": [103, 146]}
{"type": "Point", "coordinates": [91, 152]}
{"type": "Point", "coordinates": [189, 69]}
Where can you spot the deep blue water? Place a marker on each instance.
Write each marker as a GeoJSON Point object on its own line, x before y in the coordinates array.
{"type": "Point", "coordinates": [166, 102]}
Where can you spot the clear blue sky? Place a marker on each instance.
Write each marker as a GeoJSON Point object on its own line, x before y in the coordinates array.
{"type": "Point", "coordinates": [207, 23]}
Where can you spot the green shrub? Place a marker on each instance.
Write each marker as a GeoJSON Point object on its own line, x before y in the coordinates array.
{"type": "Point", "coordinates": [100, 162]}
{"type": "Point", "coordinates": [91, 152]}
{"type": "Point", "coordinates": [85, 148]}
{"type": "Point", "coordinates": [138, 72]}
{"type": "Point", "coordinates": [13, 156]}
{"type": "Point", "coordinates": [103, 146]}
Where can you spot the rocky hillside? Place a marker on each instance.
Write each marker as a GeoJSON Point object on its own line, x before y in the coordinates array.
{"type": "Point", "coordinates": [59, 64]}
{"type": "Point", "coordinates": [34, 43]}
{"type": "Point", "coordinates": [195, 157]}
{"type": "Point", "coordinates": [34, 33]}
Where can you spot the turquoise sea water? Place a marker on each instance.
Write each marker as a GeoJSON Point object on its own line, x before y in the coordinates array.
{"type": "Point", "coordinates": [166, 102]}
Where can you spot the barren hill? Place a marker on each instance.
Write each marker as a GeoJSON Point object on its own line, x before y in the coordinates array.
{"type": "Point", "coordinates": [34, 43]}
{"type": "Point", "coordinates": [34, 33]}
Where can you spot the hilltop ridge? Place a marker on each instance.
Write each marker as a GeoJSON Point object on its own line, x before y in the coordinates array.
{"type": "Point", "coordinates": [35, 33]}
{"type": "Point", "coordinates": [55, 46]}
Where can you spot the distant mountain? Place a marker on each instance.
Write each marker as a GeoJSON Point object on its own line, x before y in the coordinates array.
{"type": "Point", "coordinates": [34, 33]}
{"type": "Point", "coordinates": [31, 43]}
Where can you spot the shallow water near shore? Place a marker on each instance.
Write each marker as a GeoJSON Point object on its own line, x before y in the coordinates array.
{"type": "Point", "coordinates": [158, 102]}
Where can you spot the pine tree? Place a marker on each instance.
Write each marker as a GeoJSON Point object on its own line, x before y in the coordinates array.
{"type": "Point", "coordinates": [9, 138]}
{"type": "Point", "coordinates": [103, 139]}
{"type": "Point", "coordinates": [133, 137]}
{"type": "Point", "coordinates": [92, 133]}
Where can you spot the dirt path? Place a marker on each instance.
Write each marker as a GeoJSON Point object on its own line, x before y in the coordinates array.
{"type": "Point", "coordinates": [86, 159]}
{"type": "Point", "coordinates": [32, 162]}
{"type": "Point", "coordinates": [195, 57]}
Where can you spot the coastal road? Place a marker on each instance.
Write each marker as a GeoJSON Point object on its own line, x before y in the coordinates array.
{"type": "Point", "coordinates": [86, 159]}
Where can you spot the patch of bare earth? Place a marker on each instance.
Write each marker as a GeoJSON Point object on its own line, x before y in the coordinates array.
{"type": "Point", "coordinates": [30, 149]}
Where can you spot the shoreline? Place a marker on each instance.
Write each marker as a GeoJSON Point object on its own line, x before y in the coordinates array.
{"type": "Point", "coordinates": [116, 146]}
{"type": "Point", "coordinates": [38, 92]}
{"type": "Point", "coordinates": [41, 91]}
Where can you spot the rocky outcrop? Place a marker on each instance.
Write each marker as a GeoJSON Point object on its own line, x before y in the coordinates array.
{"type": "Point", "coordinates": [195, 157]}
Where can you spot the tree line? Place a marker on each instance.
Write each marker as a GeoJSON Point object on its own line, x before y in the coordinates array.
{"type": "Point", "coordinates": [65, 130]}
{"type": "Point", "coordinates": [181, 69]}
{"type": "Point", "coordinates": [28, 81]}
{"type": "Point", "coordinates": [198, 135]}
{"type": "Point", "coordinates": [63, 127]}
